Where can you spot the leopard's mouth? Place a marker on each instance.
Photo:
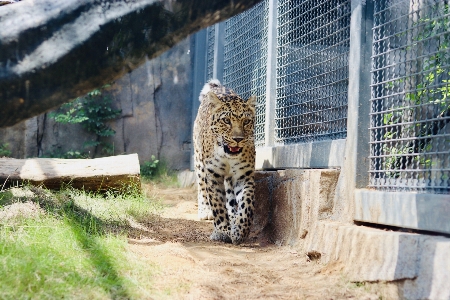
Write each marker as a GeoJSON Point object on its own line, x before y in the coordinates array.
{"type": "Point", "coordinates": [232, 150]}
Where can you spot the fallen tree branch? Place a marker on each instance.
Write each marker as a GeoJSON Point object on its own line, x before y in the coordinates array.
{"type": "Point", "coordinates": [97, 174]}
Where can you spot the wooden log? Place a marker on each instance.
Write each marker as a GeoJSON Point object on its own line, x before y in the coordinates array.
{"type": "Point", "coordinates": [97, 174]}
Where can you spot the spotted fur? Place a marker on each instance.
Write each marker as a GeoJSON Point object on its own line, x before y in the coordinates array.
{"type": "Point", "coordinates": [225, 161]}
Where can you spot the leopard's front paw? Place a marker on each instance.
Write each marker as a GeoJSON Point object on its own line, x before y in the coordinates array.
{"type": "Point", "coordinates": [238, 235]}
{"type": "Point", "coordinates": [220, 236]}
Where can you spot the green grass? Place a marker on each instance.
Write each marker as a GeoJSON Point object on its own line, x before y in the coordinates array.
{"type": "Point", "coordinates": [159, 173]}
{"type": "Point", "coordinates": [75, 247]}
{"type": "Point", "coordinates": [167, 180]}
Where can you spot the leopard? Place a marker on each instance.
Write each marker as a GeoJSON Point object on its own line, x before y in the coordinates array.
{"type": "Point", "coordinates": [224, 160]}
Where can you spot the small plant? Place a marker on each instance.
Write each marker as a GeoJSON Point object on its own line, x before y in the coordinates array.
{"type": "Point", "coordinates": [161, 174]}
{"type": "Point", "coordinates": [92, 112]}
{"type": "Point", "coordinates": [149, 168]}
{"type": "Point", "coordinates": [68, 155]}
{"type": "Point", "coordinates": [430, 93]}
{"type": "Point", "coordinates": [4, 150]}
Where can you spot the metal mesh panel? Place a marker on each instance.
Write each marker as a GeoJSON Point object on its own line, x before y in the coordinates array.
{"type": "Point", "coordinates": [245, 61]}
{"type": "Point", "coordinates": [312, 70]}
{"type": "Point", "coordinates": [210, 36]}
{"type": "Point", "coordinates": [410, 101]}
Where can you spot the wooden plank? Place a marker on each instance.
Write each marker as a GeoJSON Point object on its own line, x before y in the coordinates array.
{"type": "Point", "coordinates": [97, 174]}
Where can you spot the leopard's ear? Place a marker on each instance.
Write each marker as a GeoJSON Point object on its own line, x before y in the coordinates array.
{"type": "Point", "coordinates": [252, 102]}
{"type": "Point", "coordinates": [213, 100]}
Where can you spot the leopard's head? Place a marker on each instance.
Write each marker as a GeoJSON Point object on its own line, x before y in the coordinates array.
{"type": "Point", "coordinates": [233, 122]}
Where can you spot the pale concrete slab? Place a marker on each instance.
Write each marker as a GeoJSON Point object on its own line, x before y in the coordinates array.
{"type": "Point", "coordinates": [303, 212]}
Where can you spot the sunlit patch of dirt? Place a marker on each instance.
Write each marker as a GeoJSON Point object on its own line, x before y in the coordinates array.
{"type": "Point", "coordinates": [193, 267]}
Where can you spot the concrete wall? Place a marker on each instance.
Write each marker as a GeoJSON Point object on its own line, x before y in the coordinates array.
{"type": "Point", "coordinates": [300, 209]}
{"type": "Point", "coordinates": [156, 103]}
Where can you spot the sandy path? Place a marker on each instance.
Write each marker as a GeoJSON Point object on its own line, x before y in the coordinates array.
{"type": "Point", "coordinates": [192, 267]}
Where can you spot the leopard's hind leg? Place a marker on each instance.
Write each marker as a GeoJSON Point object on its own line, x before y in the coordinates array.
{"type": "Point", "coordinates": [215, 193]}
{"type": "Point", "coordinates": [243, 203]}
{"type": "Point", "coordinates": [204, 208]}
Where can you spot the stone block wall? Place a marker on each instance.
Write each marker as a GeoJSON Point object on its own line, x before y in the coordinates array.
{"type": "Point", "coordinates": [290, 202]}
{"type": "Point", "coordinates": [301, 209]}
{"type": "Point", "coordinates": [156, 103]}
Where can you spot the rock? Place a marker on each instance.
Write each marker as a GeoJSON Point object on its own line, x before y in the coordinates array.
{"type": "Point", "coordinates": [54, 51]}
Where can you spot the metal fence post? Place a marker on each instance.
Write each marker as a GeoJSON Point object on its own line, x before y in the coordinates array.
{"type": "Point", "coordinates": [408, 185]}
{"type": "Point", "coordinates": [357, 144]}
{"type": "Point", "coordinates": [199, 47]}
{"type": "Point", "coordinates": [271, 79]}
{"type": "Point", "coordinates": [219, 42]}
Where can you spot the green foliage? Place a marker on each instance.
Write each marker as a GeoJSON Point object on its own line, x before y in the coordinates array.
{"type": "Point", "coordinates": [68, 155]}
{"type": "Point", "coordinates": [4, 150]}
{"type": "Point", "coordinates": [158, 172]}
{"type": "Point", "coordinates": [70, 112]}
{"type": "Point", "coordinates": [432, 88]}
{"type": "Point", "coordinates": [149, 168]}
{"type": "Point", "coordinates": [97, 110]}
{"type": "Point", "coordinates": [92, 111]}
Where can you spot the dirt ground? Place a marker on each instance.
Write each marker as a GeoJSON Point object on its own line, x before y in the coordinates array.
{"type": "Point", "coordinates": [192, 267]}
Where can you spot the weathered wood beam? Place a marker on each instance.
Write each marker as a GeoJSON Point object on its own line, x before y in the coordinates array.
{"type": "Point", "coordinates": [97, 174]}
{"type": "Point", "coordinates": [52, 51]}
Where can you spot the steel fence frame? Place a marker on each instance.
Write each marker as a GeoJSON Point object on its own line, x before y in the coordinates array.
{"type": "Point", "coordinates": [404, 206]}
{"type": "Point", "coordinates": [245, 59]}
{"type": "Point", "coordinates": [410, 103]}
{"type": "Point", "coordinates": [312, 70]}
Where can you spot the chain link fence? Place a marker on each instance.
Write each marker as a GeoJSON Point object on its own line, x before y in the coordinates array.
{"type": "Point", "coordinates": [410, 88]}
{"type": "Point", "coordinates": [312, 70]}
{"type": "Point", "coordinates": [210, 39]}
{"type": "Point", "coordinates": [245, 59]}
{"type": "Point", "coordinates": [410, 96]}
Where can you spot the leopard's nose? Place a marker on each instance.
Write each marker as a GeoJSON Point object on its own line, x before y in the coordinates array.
{"type": "Point", "coordinates": [238, 139]}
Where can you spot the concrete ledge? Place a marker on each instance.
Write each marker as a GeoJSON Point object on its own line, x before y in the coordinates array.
{"type": "Point", "coordinates": [299, 199]}
{"type": "Point", "coordinates": [433, 267]}
{"type": "Point", "coordinates": [369, 254]}
{"type": "Point", "coordinates": [322, 154]}
{"type": "Point", "coordinates": [302, 206]}
{"type": "Point", "coordinates": [186, 178]}
{"type": "Point", "coordinates": [296, 208]}
{"type": "Point", "coordinates": [404, 209]}
{"type": "Point", "coordinates": [418, 264]}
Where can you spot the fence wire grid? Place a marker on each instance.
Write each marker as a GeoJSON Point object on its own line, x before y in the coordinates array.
{"type": "Point", "coordinates": [210, 39]}
{"type": "Point", "coordinates": [312, 70]}
{"type": "Point", "coordinates": [410, 82]}
{"type": "Point", "coordinates": [410, 96]}
{"type": "Point", "coordinates": [245, 59]}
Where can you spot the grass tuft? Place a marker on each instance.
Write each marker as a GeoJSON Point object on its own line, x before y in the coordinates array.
{"type": "Point", "coordinates": [72, 244]}
{"type": "Point", "coordinates": [160, 174]}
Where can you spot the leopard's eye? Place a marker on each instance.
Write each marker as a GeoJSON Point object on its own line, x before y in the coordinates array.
{"type": "Point", "coordinates": [246, 122]}
{"type": "Point", "coordinates": [226, 120]}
